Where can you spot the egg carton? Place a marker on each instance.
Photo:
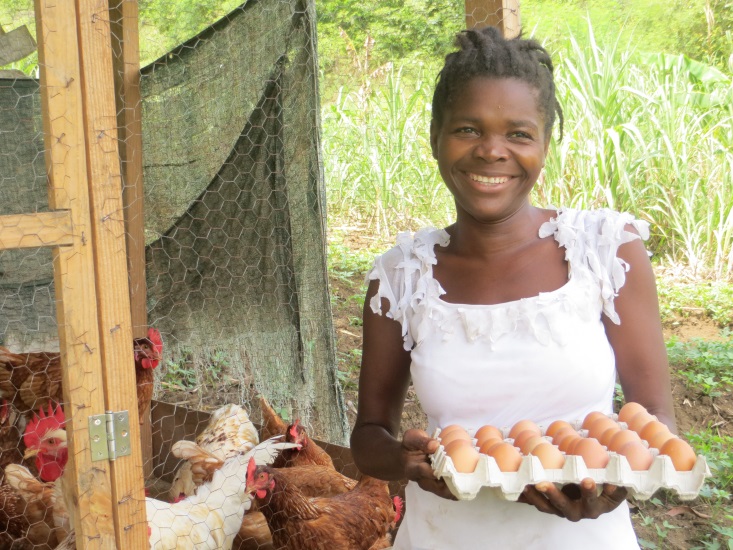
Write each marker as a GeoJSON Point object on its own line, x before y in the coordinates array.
{"type": "Point", "coordinates": [639, 484]}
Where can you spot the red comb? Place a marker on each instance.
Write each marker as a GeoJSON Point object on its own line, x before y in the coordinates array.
{"type": "Point", "coordinates": [399, 506]}
{"type": "Point", "coordinates": [294, 428]}
{"type": "Point", "coordinates": [251, 467]}
{"type": "Point", "coordinates": [154, 337]}
{"type": "Point", "coordinates": [42, 423]}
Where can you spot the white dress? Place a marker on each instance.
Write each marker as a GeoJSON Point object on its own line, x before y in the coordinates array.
{"type": "Point", "coordinates": [543, 358]}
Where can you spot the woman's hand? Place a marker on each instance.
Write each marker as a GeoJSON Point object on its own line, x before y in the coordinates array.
{"type": "Point", "coordinates": [574, 502]}
{"type": "Point", "coordinates": [417, 446]}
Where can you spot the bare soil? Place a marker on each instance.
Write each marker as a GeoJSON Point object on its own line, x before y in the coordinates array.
{"type": "Point", "coordinates": [687, 523]}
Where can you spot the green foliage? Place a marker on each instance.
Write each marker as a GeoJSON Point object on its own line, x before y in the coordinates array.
{"type": "Point", "coordinates": [705, 364]}
{"type": "Point", "coordinates": [710, 299]}
{"type": "Point", "coordinates": [718, 452]}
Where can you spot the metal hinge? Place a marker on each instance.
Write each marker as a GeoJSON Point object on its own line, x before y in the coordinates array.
{"type": "Point", "coordinates": [109, 435]}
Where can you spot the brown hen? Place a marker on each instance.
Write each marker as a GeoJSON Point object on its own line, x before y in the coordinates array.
{"type": "Point", "coordinates": [33, 380]}
{"type": "Point", "coordinates": [354, 520]}
{"type": "Point", "coordinates": [307, 451]}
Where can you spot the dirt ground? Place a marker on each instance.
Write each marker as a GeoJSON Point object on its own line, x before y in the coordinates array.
{"type": "Point", "coordinates": [686, 522]}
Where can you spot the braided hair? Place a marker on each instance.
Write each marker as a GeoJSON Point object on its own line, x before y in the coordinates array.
{"type": "Point", "coordinates": [486, 53]}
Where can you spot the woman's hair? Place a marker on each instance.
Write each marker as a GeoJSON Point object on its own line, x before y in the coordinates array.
{"type": "Point", "coordinates": [486, 53]}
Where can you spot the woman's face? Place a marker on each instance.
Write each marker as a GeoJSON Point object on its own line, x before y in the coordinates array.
{"type": "Point", "coordinates": [491, 147]}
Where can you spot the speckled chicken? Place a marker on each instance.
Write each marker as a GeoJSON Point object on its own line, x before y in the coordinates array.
{"type": "Point", "coordinates": [229, 432]}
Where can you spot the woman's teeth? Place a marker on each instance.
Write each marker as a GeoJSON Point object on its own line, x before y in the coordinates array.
{"type": "Point", "coordinates": [487, 180]}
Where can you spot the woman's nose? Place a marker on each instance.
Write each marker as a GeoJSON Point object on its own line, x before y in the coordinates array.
{"type": "Point", "coordinates": [491, 148]}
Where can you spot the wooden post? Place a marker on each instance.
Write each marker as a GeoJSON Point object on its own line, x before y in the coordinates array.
{"type": "Point", "coordinates": [95, 333]}
{"type": "Point", "coordinates": [113, 290]}
{"type": "Point", "coordinates": [63, 121]}
{"type": "Point", "coordinates": [503, 14]}
{"type": "Point", "coordinates": [126, 66]}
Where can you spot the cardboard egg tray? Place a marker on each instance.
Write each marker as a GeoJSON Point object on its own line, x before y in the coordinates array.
{"type": "Point", "coordinates": [640, 484]}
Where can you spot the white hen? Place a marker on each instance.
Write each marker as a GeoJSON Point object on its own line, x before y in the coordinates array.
{"type": "Point", "coordinates": [212, 517]}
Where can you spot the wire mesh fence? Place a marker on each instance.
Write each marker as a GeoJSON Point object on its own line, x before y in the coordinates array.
{"type": "Point", "coordinates": [219, 153]}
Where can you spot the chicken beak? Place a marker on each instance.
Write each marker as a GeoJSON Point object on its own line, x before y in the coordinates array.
{"type": "Point", "coordinates": [31, 452]}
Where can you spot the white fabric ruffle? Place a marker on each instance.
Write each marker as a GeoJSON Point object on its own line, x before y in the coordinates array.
{"type": "Point", "coordinates": [591, 239]}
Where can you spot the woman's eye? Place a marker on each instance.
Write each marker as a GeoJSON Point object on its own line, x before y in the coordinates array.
{"type": "Point", "coordinates": [466, 130]}
{"type": "Point", "coordinates": [521, 135]}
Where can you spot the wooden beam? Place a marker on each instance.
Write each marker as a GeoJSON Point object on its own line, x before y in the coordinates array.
{"type": "Point", "coordinates": [503, 14]}
{"type": "Point", "coordinates": [35, 230]}
{"type": "Point", "coordinates": [126, 67]}
{"type": "Point", "coordinates": [113, 291]}
{"type": "Point", "coordinates": [63, 121]}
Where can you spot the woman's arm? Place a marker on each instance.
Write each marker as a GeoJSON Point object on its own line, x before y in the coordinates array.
{"type": "Point", "coordinates": [383, 383]}
{"type": "Point", "coordinates": [638, 342]}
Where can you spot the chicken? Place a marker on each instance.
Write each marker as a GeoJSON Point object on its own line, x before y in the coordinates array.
{"type": "Point", "coordinates": [211, 517]}
{"type": "Point", "coordinates": [33, 380]}
{"type": "Point", "coordinates": [39, 510]}
{"type": "Point", "coordinates": [354, 520]}
{"type": "Point", "coordinates": [229, 432]}
{"type": "Point", "coordinates": [148, 353]}
{"type": "Point", "coordinates": [12, 424]}
{"type": "Point", "coordinates": [24, 510]}
{"type": "Point", "coordinates": [312, 479]}
{"type": "Point", "coordinates": [307, 451]}
{"type": "Point", "coordinates": [45, 439]}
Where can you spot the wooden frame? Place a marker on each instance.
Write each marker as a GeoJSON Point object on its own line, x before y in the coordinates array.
{"type": "Point", "coordinates": [86, 229]}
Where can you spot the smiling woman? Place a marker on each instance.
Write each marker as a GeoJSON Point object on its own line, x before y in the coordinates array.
{"type": "Point", "coordinates": [512, 312]}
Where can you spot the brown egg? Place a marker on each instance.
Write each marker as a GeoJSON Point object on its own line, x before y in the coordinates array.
{"type": "Point", "coordinates": [556, 426]}
{"type": "Point", "coordinates": [522, 438]}
{"type": "Point", "coordinates": [567, 444]}
{"type": "Point", "coordinates": [488, 444]}
{"type": "Point", "coordinates": [628, 411]}
{"type": "Point", "coordinates": [653, 428]}
{"type": "Point", "coordinates": [453, 435]}
{"type": "Point", "coordinates": [637, 455]}
{"type": "Point", "coordinates": [448, 429]}
{"type": "Point", "coordinates": [524, 425]}
{"type": "Point", "coordinates": [592, 417]}
{"type": "Point", "coordinates": [562, 433]}
{"type": "Point", "coordinates": [620, 438]}
{"type": "Point", "coordinates": [600, 425]}
{"type": "Point", "coordinates": [507, 457]}
{"type": "Point", "coordinates": [682, 455]}
{"type": "Point", "coordinates": [592, 452]}
{"type": "Point", "coordinates": [639, 420]}
{"type": "Point", "coordinates": [464, 456]}
{"type": "Point", "coordinates": [487, 431]}
{"type": "Point", "coordinates": [549, 455]}
{"type": "Point", "coordinates": [531, 443]}
{"type": "Point", "coordinates": [606, 436]}
{"type": "Point", "coordinates": [660, 438]}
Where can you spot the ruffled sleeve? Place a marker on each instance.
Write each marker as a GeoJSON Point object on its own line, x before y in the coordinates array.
{"type": "Point", "coordinates": [591, 239]}
{"type": "Point", "coordinates": [405, 276]}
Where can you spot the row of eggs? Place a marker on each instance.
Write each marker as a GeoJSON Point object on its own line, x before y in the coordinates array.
{"type": "Point", "coordinates": [643, 432]}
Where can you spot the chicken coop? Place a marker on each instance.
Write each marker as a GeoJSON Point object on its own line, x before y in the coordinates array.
{"type": "Point", "coordinates": [162, 262]}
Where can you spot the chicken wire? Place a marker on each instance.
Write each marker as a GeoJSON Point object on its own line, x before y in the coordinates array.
{"type": "Point", "coordinates": [235, 261]}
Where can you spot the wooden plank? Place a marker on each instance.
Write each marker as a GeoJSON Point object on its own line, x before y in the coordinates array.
{"type": "Point", "coordinates": [108, 230]}
{"type": "Point", "coordinates": [126, 67]}
{"type": "Point", "coordinates": [16, 45]}
{"type": "Point", "coordinates": [34, 230]}
{"type": "Point", "coordinates": [62, 110]}
{"type": "Point", "coordinates": [503, 14]}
